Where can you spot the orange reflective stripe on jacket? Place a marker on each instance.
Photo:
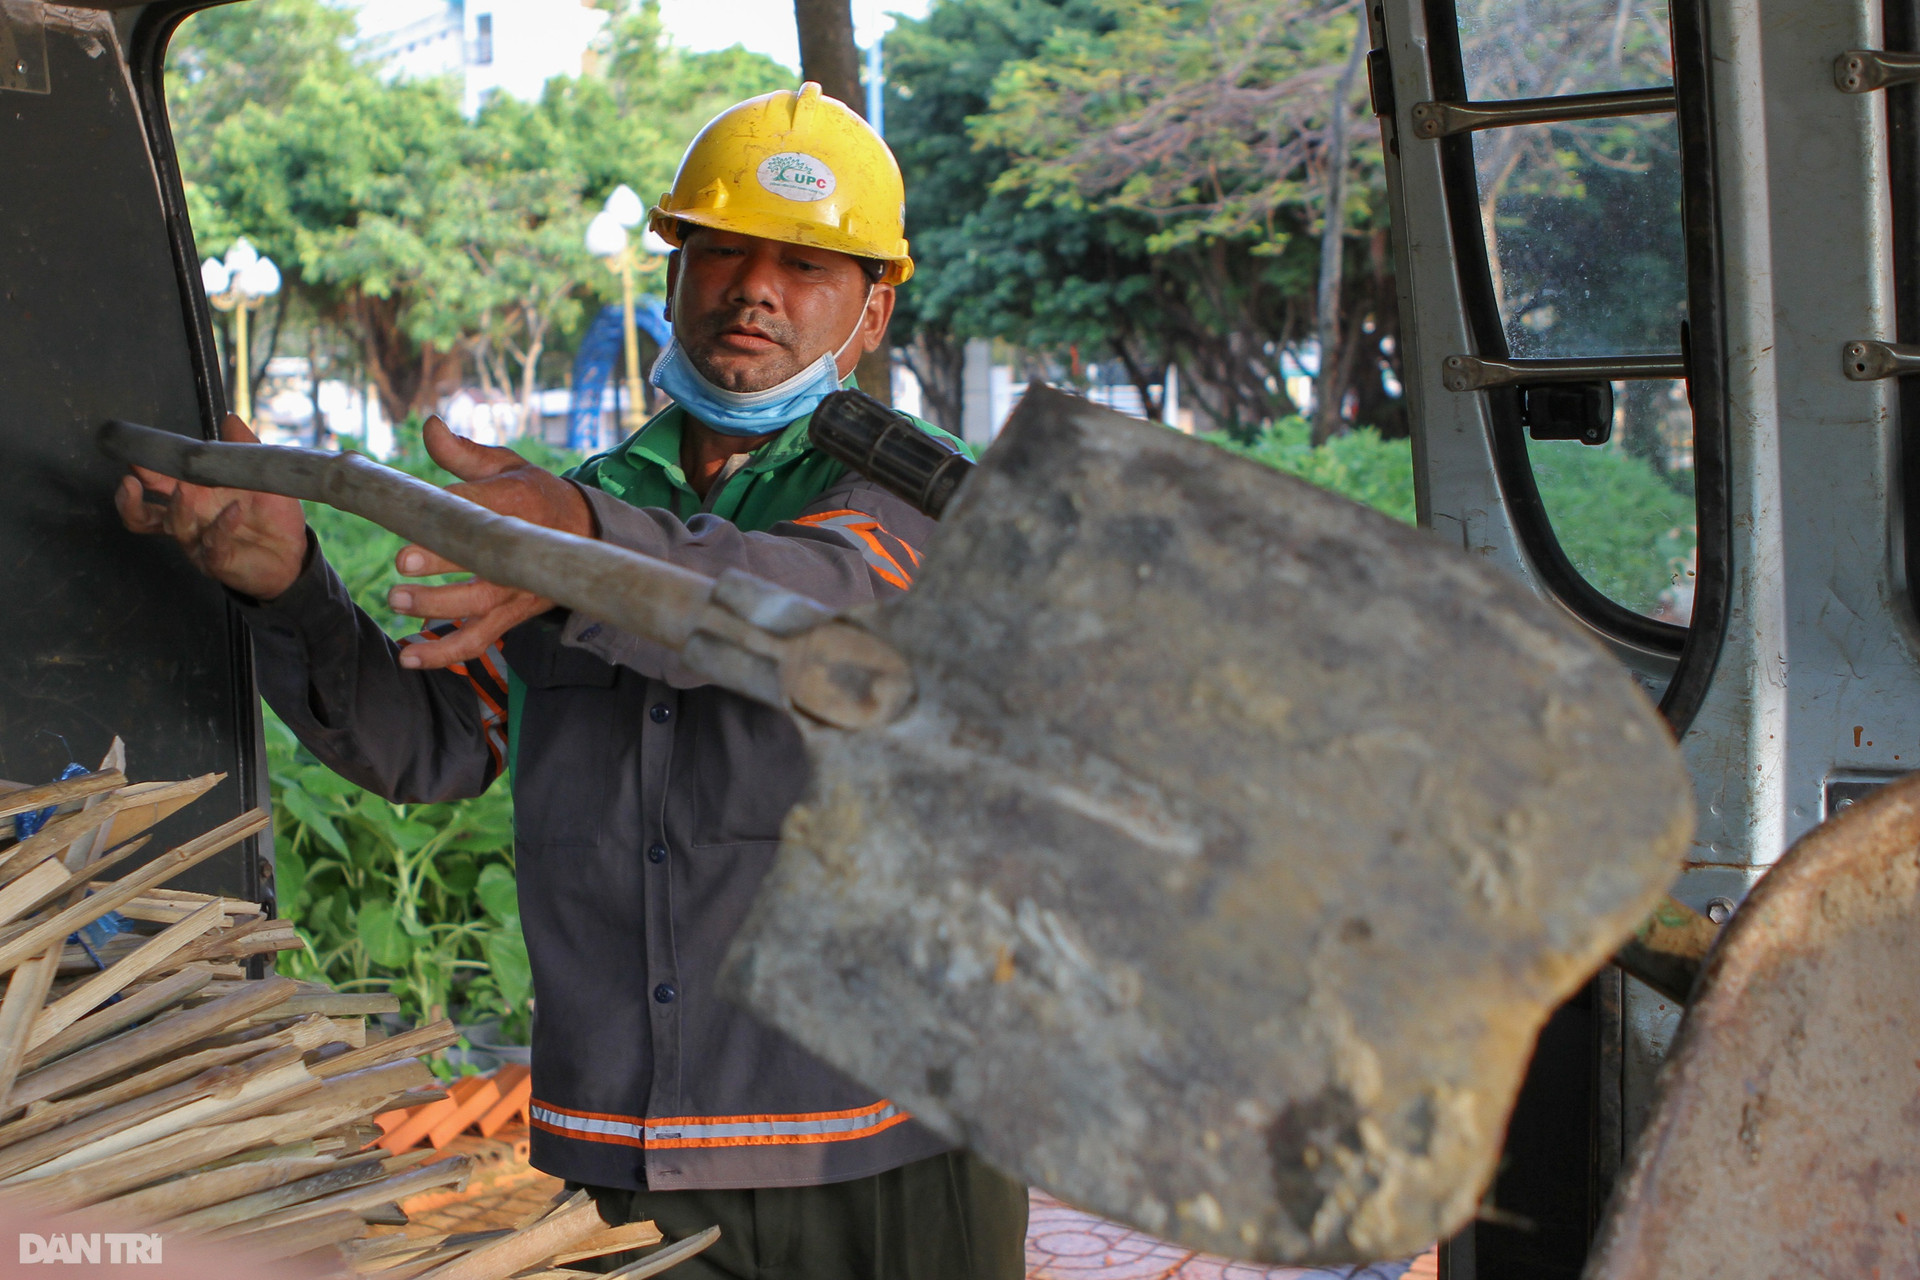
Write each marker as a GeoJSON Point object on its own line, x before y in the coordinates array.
{"type": "Point", "coordinates": [865, 532]}
{"type": "Point", "coordinates": [719, 1131]}
{"type": "Point", "coordinates": [487, 675]}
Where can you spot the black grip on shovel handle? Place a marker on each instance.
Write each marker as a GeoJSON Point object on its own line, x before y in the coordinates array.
{"type": "Point", "coordinates": [887, 448]}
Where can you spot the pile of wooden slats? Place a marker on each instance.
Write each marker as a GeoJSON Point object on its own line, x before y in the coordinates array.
{"type": "Point", "coordinates": [146, 1079]}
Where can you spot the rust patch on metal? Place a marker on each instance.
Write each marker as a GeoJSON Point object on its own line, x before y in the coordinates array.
{"type": "Point", "coordinates": [1786, 1133]}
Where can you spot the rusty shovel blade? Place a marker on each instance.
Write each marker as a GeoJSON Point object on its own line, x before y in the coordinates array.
{"type": "Point", "coordinates": [1236, 845]}
{"type": "Point", "coordinates": [1785, 1136]}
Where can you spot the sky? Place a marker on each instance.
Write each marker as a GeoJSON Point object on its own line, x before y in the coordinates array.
{"type": "Point", "coordinates": [766, 26]}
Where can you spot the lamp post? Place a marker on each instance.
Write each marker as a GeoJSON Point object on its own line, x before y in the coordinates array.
{"type": "Point", "coordinates": [608, 238]}
{"type": "Point", "coordinates": [240, 284]}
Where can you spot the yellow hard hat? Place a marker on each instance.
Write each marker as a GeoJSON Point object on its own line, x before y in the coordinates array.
{"type": "Point", "coordinates": [801, 168]}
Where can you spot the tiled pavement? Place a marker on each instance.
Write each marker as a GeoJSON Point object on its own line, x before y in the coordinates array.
{"type": "Point", "coordinates": [1062, 1243]}
{"type": "Point", "coordinates": [1065, 1244]}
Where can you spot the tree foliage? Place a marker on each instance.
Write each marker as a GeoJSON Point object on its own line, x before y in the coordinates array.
{"type": "Point", "coordinates": [1144, 181]}
{"type": "Point", "coordinates": [432, 238]}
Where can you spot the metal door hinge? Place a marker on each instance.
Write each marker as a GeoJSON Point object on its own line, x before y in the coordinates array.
{"type": "Point", "coordinates": [1865, 360]}
{"type": "Point", "coordinates": [23, 46]}
{"type": "Point", "coordinates": [1864, 70]}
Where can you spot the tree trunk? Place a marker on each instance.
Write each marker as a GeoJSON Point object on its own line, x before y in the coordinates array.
{"type": "Point", "coordinates": [1328, 386]}
{"type": "Point", "coordinates": [313, 382]}
{"type": "Point", "coordinates": [939, 362]}
{"type": "Point", "coordinates": [828, 55]}
{"type": "Point", "coordinates": [408, 378]}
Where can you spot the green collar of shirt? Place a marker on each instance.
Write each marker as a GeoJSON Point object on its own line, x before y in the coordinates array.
{"type": "Point", "coordinates": [780, 479]}
{"type": "Point", "coordinates": [784, 477]}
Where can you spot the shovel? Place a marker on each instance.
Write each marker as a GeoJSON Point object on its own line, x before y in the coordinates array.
{"type": "Point", "coordinates": [1786, 1135]}
{"type": "Point", "coordinates": [1191, 842]}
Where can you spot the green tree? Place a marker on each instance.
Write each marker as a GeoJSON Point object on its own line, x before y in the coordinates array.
{"type": "Point", "coordinates": [431, 238]}
{"type": "Point", "coordinates": [1144, 183]}
{"type": "Point", "coordinates": [968, 239]}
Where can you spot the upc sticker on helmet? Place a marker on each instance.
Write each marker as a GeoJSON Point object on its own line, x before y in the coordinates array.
{"type": "Point", "coordinates": [796, 176]}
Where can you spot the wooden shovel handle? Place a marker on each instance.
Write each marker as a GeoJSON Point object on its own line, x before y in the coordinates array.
{"type": "Point", "coordinates": [636, 593]}
{"type": "Point", "coordinates": [741, 632]}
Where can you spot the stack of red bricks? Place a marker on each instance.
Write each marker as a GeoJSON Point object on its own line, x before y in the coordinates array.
{"type": "Point", "coordinates": [494, 1106]}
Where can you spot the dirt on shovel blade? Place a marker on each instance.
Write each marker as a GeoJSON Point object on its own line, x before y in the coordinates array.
{"type": "Point", "coordinates": [1236, 846]}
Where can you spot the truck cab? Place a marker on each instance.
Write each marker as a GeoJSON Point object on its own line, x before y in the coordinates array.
{"type": "Point", "coordinates": [1695, 222]}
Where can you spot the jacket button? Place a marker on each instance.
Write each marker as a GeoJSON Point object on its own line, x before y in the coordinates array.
{"type": "Point", "coordinates": [661, 713]}
{"type": "Point", "coordinates": [664, 993]}
{"type": "Point", "coordinates": [656, 852]}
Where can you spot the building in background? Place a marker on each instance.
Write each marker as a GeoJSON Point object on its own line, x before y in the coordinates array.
{"type": "Point", "coordinates": [490, 46]}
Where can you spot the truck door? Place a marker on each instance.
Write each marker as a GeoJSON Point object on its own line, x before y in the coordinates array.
{"type": "Point", "coordinates": [101, 316]}
{"type": "Point", "coordinates": [1660, 232]}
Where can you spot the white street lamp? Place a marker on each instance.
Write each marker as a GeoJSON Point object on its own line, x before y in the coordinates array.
{"type": "Point", "coordinates": [607, 238]}
{"type": "Point", "coordinates": [626, 206]}
{"type": "Point", "coordinates": [239, 285]}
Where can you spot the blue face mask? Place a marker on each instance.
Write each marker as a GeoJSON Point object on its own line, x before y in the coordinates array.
{"type": "Point", "coordinates": [748, 413]}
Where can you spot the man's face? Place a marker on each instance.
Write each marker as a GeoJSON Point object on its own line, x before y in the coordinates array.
{"type": "Point", "coordinates": [751, 313]}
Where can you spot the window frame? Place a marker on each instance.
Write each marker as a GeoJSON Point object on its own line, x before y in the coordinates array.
{"type": "Point", "coordinates": [1694, 648]}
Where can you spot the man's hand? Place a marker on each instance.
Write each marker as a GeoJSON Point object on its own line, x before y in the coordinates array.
{"type": "Point", "coordinates": [499, 480]}
{"type": "Point", "coordinates": [254, 543]}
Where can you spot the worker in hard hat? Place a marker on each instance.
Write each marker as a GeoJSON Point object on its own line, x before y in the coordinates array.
{"type": "Point", "coordinates": [648, 804]}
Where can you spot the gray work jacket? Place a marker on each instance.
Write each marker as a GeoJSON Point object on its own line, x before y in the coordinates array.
{"type": "Point", "coordinates": [647, 809]}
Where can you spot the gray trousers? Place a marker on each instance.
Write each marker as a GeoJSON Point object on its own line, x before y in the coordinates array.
{"type": "Point", "coordinates": [948, 1217]}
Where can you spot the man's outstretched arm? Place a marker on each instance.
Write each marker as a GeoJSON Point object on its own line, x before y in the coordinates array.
{"type": "Point", "coordinates": [323, 665]}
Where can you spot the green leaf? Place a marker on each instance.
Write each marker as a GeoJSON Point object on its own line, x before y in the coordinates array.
{"type": "Point", "coordinates": [309, 816]}
{"type": "Point", "coordinates": [289, 879]}
{"type": "Point", "coordinates": [499, 895]}
{"type": "Point", "coordinates": [457, 876]}
{"type": "Point", "coordinates": [386, 943]}
{"type": "Point", "coordinates": [512, 970]}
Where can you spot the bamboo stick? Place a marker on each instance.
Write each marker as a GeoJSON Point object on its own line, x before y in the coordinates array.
{"type": "Point", "coordinates": [26, 992]}
{"type": "Point", "coordinates": [416, 1043]}
{"type": "Point", "coordinates": [213, 944]}
{"type": "Point", "coordinates": [70, 1008]}
{"type": "Point", "coordinates": [305, 1236]}
{"type": "Point", "coordinates": [373, 1254]}
{"type": "Point", "coordinates": [241, 1212]}
{"type": "Point", "coordinates": [30, 890]}
{"type": "Point", "coordinates": [334, 1004]}
{"type": "Point", "coordinates": [577, 1220]}
{"type": "Point", "coordinates": [304, 1149]}
{"type": "Point", "coordinates": [379, 1085]}
{"type": "Point", "coordinates": [671, 1256]}
{"type": "Point", "coordinates": [58, 793]}
{"type": "Point", "coordinates": [54, 838]}
{"type": "Point", "coordinates": [393, 1187]}
{"type": "Point", "coordinates": [634, 1235]}
{"type": "Point", "coordinates": [134, 1047]}
{"type": "Point", "coordinates": [124, 889]}
{"type": "Point", "coordinates": [253, 1087]}
{"type": "Point", "coordinates": [197, 1191]}
{"type": "Point", "coordinates": [147, 804]}
{"type": "Point", "coordinates": [135, 1007]}
{"type": "Point", "coordinates": [77, 878]}
{"type": "Point", "coordinates": [78, 961]}
{"type": "Point", "coordinates": [177, 1153]}
{"type": "Point", "coordinates": [348, 1139]}
{"type": "Point", "coordinates": [42, 1117]}
{"type": "Point", "coordinates": [57, 1141]}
